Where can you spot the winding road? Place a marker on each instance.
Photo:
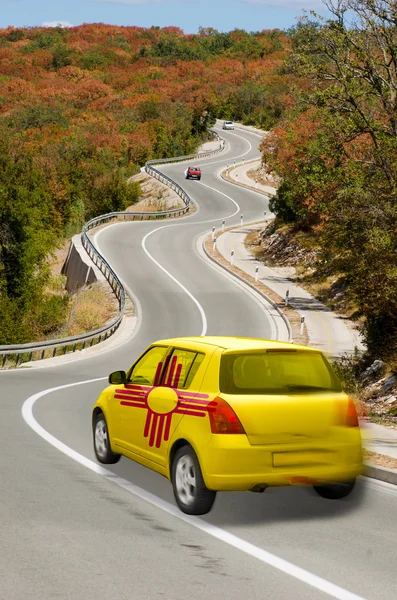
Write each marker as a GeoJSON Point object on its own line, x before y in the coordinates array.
{"type": "Point", "coordinates": [72, 529]}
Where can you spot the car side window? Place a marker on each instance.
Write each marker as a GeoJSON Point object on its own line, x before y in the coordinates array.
{"type": "Point", "coordinates": [147, 370]}
{"type": "Point", "coordinates": [193, 370]}
{"type": "Point", "coordinates": [181, 369]}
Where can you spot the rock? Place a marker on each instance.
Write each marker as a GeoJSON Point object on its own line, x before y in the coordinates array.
{"type": "Point", "coordinates": [390, 400]}
{"type": "Point", "coordinates": [376, 367]}
{"type": "Point", "coordinates": [389, 384]}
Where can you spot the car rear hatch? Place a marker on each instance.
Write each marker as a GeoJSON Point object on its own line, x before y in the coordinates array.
{"type": "Point", "coordinates": [288, 397]}
{"type": "Point", "coordinates": [296, 419]}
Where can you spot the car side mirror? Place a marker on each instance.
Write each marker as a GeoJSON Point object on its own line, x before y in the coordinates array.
{"type": "Point", "coordinates": [118, 377]}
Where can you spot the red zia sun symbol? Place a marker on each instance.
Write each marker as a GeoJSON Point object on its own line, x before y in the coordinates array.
{"type": "Point", "coordinates": [163, 402]}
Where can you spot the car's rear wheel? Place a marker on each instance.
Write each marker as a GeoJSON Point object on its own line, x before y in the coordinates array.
{"type": "Point", "coordinates": [102, 443]}
{"type": "Point", "coordinates": [199, 178]}
{"type": "Point", "coordinates": [190, 491]}
{"type": "Point", "coordinates": [335, 491]}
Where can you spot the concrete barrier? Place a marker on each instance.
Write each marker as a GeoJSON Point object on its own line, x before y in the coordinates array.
{"type": "Point", "coordinates": [78, 268]}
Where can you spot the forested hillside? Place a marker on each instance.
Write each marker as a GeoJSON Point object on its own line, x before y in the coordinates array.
{"type": "Point", "coordinates": [81, 109]}
{"type": "Point", "coordinates": [336, 151]}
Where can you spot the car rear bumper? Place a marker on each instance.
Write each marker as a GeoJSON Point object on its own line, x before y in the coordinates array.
{"type": "Point", "coordinates": [236, 465]}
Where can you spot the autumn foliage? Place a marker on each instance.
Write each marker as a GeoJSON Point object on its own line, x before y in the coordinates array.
{"type": "Point", "coordinates": [83, 108]}
{"type": "Point", "coordinates": [336, 151]}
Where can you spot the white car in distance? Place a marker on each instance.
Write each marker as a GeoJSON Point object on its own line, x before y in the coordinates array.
{"type": "Point", "coordinates": [228, 125]}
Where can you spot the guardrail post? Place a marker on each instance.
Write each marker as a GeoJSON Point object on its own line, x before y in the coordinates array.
{"type": "Point", "coordinates": [256, 273]}
{"type": "Point", "coordinates": [3, 362]}
{"type": "Point", "coordinates": [232, 257]}
{"type": "Point", "coordinates": [302, 325]}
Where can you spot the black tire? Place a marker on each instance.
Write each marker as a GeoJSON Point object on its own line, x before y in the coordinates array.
{"type": "Point", "coordinates": [335, 491]}
{"type": "Point", "coordinates": [199, 178]}
{"type": "Point", "coordinates": [194, 499]}
{"type": "Point", "coordinates": [101, 442]}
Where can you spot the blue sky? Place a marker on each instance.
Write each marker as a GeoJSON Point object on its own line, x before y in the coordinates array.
{"type": "Point", "coordinates": [224, 15]}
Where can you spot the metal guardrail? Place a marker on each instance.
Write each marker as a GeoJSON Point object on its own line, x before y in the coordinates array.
{"type": "Point", "coordinates": [21, 353]}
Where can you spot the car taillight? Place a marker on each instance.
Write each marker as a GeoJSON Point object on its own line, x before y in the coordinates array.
{"type": "Point", "coordinates": [351, 417]}
{"type": "Point", "coordinates": [223, 419]}
{"type": "Point", "coordinates": [347, 418]}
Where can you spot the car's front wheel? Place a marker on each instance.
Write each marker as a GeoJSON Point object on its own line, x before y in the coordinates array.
{"type": "Point", "coordinates": [190, 491]}
{"type": "Point", "coordinates": [102, 443]}
{"type": "Point", "coordinates": [335, 491]}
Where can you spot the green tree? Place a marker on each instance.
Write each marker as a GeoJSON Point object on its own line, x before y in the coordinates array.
{"type": "Point", "coordinates": [351, 67]}
{"type": "Point", "coordinates": [61, 57]}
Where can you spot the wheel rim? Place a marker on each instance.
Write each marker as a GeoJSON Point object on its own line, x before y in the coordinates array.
{"type": "Point", "coordinates": [101, 438]}
{"type": "Point", "coordinates": [185, 480]}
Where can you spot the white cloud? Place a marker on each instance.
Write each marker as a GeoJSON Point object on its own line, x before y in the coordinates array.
{"type": "Point", "coordinates": [57, 24]}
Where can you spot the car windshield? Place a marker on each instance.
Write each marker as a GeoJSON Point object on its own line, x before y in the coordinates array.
{"type": "Point", "coordinates": [276, 372]}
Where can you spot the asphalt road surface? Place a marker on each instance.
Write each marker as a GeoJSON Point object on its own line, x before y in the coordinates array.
{"type": "Point", "coordinates": [72, 529]}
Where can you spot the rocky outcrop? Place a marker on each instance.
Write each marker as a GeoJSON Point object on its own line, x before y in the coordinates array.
{"type": "Point", "coordinates": [380, 390]}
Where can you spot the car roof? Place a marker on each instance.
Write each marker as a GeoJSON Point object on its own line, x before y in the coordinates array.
{"type": "Point", "coordinates": [234, 343]}
{"type": "Point", "coordinates": [195, 168]}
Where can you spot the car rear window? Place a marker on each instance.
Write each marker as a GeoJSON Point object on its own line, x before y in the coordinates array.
{"type": "Point", "coordinates": [195, 169]}
{"type": "Point", "coordinates": [276, 372]}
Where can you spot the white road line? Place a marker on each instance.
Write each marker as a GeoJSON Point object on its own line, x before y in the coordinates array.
{"type": "Point", "coordinates": [175, 280]}
{"type": "Point", "coordinates": [197, 303]}
{"type": "Point", "coordinates": [260, 301]}
{"type": "Point", "coordinates": [198, 160]}
{"type": "Point", "coordinates": [239, 156]}
{"type": "Point", "coordinates": [332, 590]}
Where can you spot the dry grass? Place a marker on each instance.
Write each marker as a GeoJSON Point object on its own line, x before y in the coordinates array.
{"type": "Point", "coordinates": [91, 308]}
{"type": "Point", "coordinates": [292, 316]}
{"type": "Point", "coordinates": [388, 462]}
{"type": "Point", "coordinates": [258, 174]}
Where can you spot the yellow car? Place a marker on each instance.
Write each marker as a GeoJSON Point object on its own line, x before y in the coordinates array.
{"type": "Point", "coordinates": [227, 413]}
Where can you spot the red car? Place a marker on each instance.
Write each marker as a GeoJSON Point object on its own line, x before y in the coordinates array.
{"type": "Point", "coordinates": [193, 173]}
